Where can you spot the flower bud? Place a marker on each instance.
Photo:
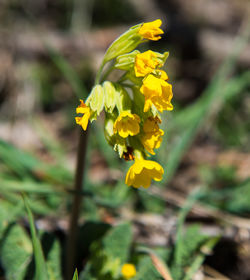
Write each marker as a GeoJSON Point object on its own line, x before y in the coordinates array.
{"type": "Point", "coordinates": [109, 128]}
{"type": "Point", "coordinates": [96, 99]}
{"type": "Point", "coordinates": [162, 57]}
{"type": "Point", "coordinates": [126, 61]}
{"type": "Point", "coordinates": [114, 140]}
{"type": "Point", "coordinates": [120, 146]}
{"type": "Point", "coordinates": [127, 42]}
{"type": "Point", "coordinates": [109, 96]}
{"type": "Point", "coordinates": [123, 100]}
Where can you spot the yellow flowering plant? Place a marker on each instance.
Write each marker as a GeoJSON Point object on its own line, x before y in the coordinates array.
{"type": "Point", "coordinates": [133, 103]}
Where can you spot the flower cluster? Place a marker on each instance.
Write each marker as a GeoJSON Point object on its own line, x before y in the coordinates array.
{"type": "Point", "coordinates": [133, 104]}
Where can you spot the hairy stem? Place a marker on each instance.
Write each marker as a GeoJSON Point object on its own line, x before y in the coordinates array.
{"type": "Point", "coordinates": [99, 73]}
{"type": "Point", "coordinates": [77, 199]}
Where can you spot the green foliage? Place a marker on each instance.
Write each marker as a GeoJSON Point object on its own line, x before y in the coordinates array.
{"type": "Point", "coordinates": [185, 124]}
{"type": "Point", "coordinates": [117, 242]}
{"type": "Point", "coordinates": [41, 269]}
{"type": "Point", "coordinates": [52, 251]}
{"type": "Point", "coordinates": [146, 270]}
{"type": "Point", "coordinates": [234, 114]}
{"type": "Point", "coordinates": [228, 195]}
{"type": "Point", "coordinates": [8, 214]}
{"type": "Point", "coordinates": [151, 203]}
{"type": "Point", "coordinates": [24, 165]}
{"type": "Point", "coordinates": [111, 196]}
{"type": "Point", "coordinates": [199, 258]}
{"type": "Point", "coordinates": [235, 201]}
{"type": "Point", "coordinates": [189, 250]}
{"type": "Point", "coordinates": [47, 186]}
{"type": "Point", "coordinates": [22, 257]}
{"type": "Point", "coordinates": [184, 259]}
{"type": "Point", "coordinates": [16, 252]}
{"type": "Point", "coordinates": [108, 254]}
{"type": "Point", "coordinates": [75, 277]}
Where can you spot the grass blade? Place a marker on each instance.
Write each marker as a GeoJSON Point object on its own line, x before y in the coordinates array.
{"type": "Point", "coordinates": [40, 264]}
{"type": "Point", "coordinates": [75, 277]}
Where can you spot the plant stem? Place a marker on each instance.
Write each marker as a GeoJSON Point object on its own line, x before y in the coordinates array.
{"type": "Point", "coordinates": [77, 199]}
{"type": "Point", "coordinates": [105, 75]}
{"type": "Point", "coordinates": [98, 75]}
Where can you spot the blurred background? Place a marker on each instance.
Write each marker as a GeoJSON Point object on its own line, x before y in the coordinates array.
{"type": "Point", "coordinates": [49, 54]}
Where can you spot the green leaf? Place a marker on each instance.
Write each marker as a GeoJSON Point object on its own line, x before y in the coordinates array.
{"type": "Point", "coordinates": [188, 244]}
{"type": "Point", "coordinates": [146, 270]}
{"type": "Point", "coordinates": [16, 252]}
{"type": "Point", "coordinates": [117, 242]}
{"type": "Point", "coordinates": [8, 213]}
{"type": "Point", "coordinates": [40, 264]}
{"type": "Point", "coordinates": [193, 197]}
{"type": "Point", "coordinates": [52, 250]}
{"type": "Point", "coordinates": [109, 253]}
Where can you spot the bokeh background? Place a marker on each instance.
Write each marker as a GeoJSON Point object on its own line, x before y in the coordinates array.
{"type": "Point", "coordinates": [49, 54]}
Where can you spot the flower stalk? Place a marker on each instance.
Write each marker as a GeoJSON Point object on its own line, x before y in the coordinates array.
{"type": "Point", "coordinates": [76, 204]}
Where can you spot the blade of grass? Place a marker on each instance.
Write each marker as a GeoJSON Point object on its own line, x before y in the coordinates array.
{"type": "Point", "coordinates": [40, 264]}
{"type": "Point", "coordinates": [26, 186]}
{"type": "Point", "coordinates": [192, 198]}
{"type": "Point", "coordinates": [75, 277]}
{"type": "Point", "coordinates": [37, 205]}
{"type": "Point", "coordinates": [18, 161]}
{"type": "Point", "coordinates": [25, 165]}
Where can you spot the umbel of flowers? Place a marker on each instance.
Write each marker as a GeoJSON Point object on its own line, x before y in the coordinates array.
{"type": "Point", "coordinates": [132, 104]}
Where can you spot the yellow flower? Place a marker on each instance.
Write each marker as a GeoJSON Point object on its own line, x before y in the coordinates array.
{"type": "Point", "coordinates": [157, 92]}
{"type": "Point", "coordinates": [152, 141]}
{"type": "Point", "coordinates": [161, 74]}
{"type": "Point", "coordinates": [142, 172]}
{"type": "Point", "coordinates": [152, 135]}
{"type": "Point", "coordinates": [145, 63]}
{"type": "Point", "coordinates": [127, 124]}
{"type": "Point", "coordinates": [151, 124]}
{"type": "Point", "coordinates": [151, 30]}
{"type": "Point", "coordinates": [128, 270]}
{"type": "Point", "coordinates": [85, 110]}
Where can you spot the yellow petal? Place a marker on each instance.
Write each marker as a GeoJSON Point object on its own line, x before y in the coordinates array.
{"type": "Point", "coordinates": [85, 110]}
{"type": "Point", "coordinates": [127, 124]}
{"type": "Point", "coordinates": [142, 172]}
{"type": "Point", "coordinates": [151, 30]}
